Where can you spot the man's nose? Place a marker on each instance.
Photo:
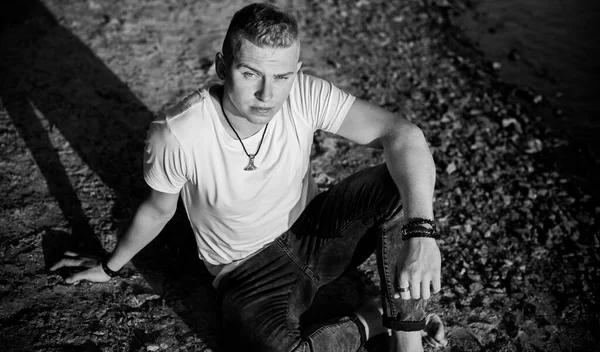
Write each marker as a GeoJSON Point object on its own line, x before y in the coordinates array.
{"type": "Point", "coordinates": [265, 93]}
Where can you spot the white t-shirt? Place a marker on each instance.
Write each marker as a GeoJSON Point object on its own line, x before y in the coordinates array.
{"type": "Point", "coordinates": [234, 213]}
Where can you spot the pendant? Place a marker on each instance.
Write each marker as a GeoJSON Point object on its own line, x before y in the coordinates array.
{"type": "Point", "coordinates": [250, 165]}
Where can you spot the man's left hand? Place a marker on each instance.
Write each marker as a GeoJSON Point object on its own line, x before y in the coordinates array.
{"type": "Point", "coordinates": [419, 268]}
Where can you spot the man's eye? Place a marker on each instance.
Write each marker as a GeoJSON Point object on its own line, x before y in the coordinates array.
{"type": "Point", "coordinates": [249, 74]}
{"type": "Point", "coordinates": [281, 77]}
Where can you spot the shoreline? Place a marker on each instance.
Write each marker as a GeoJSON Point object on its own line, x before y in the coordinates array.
{"type": "Point", "coordinates": [577, 160]}
{"type": "Point", "coordinates": [547, 48]}
{"type": "Point", "coordinates": [556, 115]}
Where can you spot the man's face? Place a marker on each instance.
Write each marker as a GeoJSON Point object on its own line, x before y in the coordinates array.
{"type": "Point", "coordinates": [259, 80]}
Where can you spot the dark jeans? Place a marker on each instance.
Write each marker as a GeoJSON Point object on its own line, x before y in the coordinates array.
{"type": "Point", "coordinates": [263, 299]}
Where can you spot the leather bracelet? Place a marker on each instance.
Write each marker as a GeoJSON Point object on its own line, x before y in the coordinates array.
{"type": "Point", "coordinates": [107, 270]}
{"type": "Point", "coordinates": [415, 228]}
{"type": "Point", "coordinates": [419, 221]}
{"type": "Point", "coordinates": [415, 234]}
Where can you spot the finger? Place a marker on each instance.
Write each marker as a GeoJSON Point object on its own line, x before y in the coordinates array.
{"type": "Point", "coordinates": [428, 340]}
{"type": "Point", "coordinates": [75, 278]}
{"type": "Point", "coordinates": [403, 284]}
{"type": "Point", "coordinates": [431, 342]}
{"type": "Point", "coordinates": [57, 265]}
{"type": "Point", "coordinates": [435, 329]}
{"type": "Point", "coordinates": [425, 293]}
{"type": "Point", "coordinates": [71, 254]}
{"type": "Point", "coordinates": [415, 288]}
{"type": "Point", "coordinates": [66, 262]}
{"type": "Point", "coordinates": [436, 284]}
{"type": "Point", "coordinates": [89, 262]}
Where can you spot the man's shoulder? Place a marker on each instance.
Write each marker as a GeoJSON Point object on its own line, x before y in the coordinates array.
{"type": "Point", "coordinates": [309, 90]}
{"type": "Point", "coordinates": [309, 84]}
{"type": "Point", "coordinates": [184, 105]}
{"type": "Point", "coordinates": [184, 119]}
{"type": "Point", "coordinates": [190, 113]}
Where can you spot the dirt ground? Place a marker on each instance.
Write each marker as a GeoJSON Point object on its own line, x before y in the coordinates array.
{"type": "Point", "coordinates": [81, 81]}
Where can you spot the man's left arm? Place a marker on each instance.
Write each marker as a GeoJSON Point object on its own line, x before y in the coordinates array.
{"type": "Point", "coordinates": [410, 164]}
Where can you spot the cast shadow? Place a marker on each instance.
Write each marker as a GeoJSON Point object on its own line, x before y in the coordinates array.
{"type": "Point", "coordinates": [52, 80]}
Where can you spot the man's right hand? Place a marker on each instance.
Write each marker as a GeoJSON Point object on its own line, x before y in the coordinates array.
{"type": "Point", "coordinates": [94, 273]}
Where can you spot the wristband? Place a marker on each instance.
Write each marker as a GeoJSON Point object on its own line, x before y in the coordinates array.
{"type": "Point", "coordinates": [415, 228]}
{"type": "Point", "coordinates": [398, 325]}
{"type": "Point", "coordinates": [107, 270]}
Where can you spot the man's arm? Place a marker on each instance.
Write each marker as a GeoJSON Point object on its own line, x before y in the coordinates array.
{"type": "Point", "coordinates": [150, 218]}
{"type": "Point", "coordinates": [411, 166]}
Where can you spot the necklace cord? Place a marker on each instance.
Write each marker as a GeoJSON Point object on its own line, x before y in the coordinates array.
{"type": "Point", "coordinates": [238, 136]}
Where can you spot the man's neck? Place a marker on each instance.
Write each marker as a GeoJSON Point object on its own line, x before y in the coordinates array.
{"type": "Point", "coordinates": [243, 127]}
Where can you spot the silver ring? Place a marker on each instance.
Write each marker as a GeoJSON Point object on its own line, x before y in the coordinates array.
{"type": "Point", "coordinates": [403, 289]}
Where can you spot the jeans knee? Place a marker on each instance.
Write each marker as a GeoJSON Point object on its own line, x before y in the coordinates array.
{"type": "Point", "coordinates": [391, 201]}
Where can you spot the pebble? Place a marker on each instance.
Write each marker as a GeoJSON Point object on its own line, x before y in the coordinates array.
{"type": "Point", "coordinates": [475, 287]}
{"type": "Point", "coordinates": [475, 277]}
{"type": "Point", "coordinates": [553, 329]}
{"type": "Point", "coordinates": [101, 332]}
{"type": "Point", "coordinates": [451, 168]}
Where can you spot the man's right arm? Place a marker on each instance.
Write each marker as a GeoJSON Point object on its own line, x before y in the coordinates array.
{"type": "Point", "coordinates": [150, 218]}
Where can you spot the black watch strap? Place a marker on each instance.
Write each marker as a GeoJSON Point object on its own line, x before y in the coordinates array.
{"type": "Point", "coordinates": [398, 325]}
{"type": "Point", "coordinates": [107, 270]}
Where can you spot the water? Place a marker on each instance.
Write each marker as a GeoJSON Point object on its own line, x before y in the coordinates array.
{"type": "Point", "coordinates": [551, 46]}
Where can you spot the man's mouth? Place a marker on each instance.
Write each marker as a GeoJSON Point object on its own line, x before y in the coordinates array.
{"type": "Point", "coordinates": [261, 110]}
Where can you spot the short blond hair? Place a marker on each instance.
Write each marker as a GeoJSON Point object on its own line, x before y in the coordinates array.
{"type": "Point", "coordinates": [264, 25]}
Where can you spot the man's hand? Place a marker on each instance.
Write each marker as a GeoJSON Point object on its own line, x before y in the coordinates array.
{"type": "Point", "coordinates": [419, 268]}
{"type": "Point", "coordinates": [94, 273]}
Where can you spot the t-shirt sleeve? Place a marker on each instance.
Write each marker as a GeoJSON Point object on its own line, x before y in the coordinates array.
{"type": "Point", "coordinates": [164, 159]}
{"type": "Point", "coordinates": [323, 105]}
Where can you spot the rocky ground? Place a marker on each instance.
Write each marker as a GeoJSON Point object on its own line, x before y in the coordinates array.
{"type": "Point", "coordinates": [81, 80]}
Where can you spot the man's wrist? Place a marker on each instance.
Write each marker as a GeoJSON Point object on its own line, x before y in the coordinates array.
{"type": "Point", "coordinates": [419, 227]}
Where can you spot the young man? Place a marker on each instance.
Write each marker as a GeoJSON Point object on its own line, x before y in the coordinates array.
{"type": "Point", "coordinates": [238, 155]}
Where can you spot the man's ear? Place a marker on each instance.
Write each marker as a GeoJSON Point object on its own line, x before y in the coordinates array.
{"type": "Point", "coordinates": [220, 66]}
